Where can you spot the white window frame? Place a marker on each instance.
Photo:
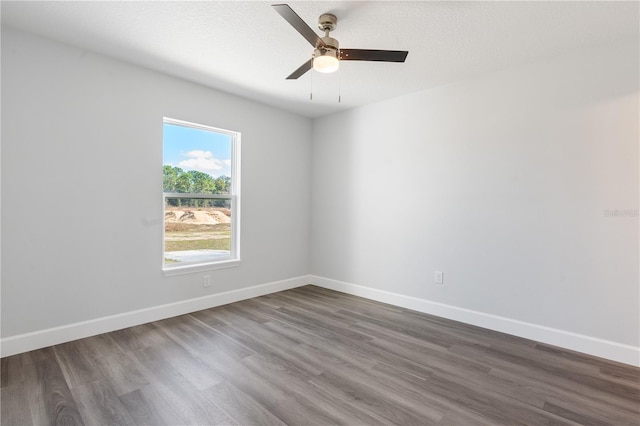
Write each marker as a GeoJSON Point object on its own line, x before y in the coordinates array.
{"type": "Point", "coordinates": [234, 196]}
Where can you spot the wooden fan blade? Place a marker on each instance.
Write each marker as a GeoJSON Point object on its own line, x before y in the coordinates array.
{"type": "Point", "coordinates": [373, 55]}
{"type": "Point", "coordinates": [300, 71]}
{"type": "Point", "coordinates": [296, 22]}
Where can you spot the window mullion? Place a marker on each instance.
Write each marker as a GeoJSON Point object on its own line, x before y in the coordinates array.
{"type": "Point", "coordinates": [190, 195]}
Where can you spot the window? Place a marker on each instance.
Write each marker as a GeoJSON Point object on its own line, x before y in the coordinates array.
{"type": "Point", "coordinates": [201, 184]}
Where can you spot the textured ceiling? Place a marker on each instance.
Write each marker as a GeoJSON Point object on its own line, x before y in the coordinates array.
{"type": "Point", "coordinates": [247, 49]}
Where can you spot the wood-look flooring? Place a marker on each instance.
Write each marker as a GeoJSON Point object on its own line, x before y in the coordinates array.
{"type": "Point", "coordinates": [311, 356]}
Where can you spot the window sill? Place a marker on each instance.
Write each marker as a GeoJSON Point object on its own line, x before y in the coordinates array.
{"type": "Point", "coordinates": [200, 267]}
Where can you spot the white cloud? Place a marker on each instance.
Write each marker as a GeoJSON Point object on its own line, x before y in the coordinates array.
{"type": "Point", "coordinates": [204, 161]}
{"type": "Point", "coordinates": [206, 165]}
{"type": "Point", "coordinates": [199, 154]}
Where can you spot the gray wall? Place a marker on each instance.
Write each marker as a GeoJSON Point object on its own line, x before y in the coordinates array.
{"type": "Point", "coordinates": [82, 184]}
{"type": "Point", "coordinates": [502, 182]}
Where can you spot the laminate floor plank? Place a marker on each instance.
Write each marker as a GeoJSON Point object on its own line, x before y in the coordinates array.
{"type": "Point", "coordinates": [309, 302]}
{"type": "Point", "coordinates": [365, 349]}
{"type": "Point", "coordinates": [18, 369]}
{"type": "Point", "coordinates": [479, 380]}
{"type": "Point", "coordinates": [242, 408]}
{"type": "Point", "coordinates": [197, 373]}
{"type": "Point", "coordinates": [198, 337]}
{"type": "Point", "coordinates": [332, 326]}
{"type": "Point", "coordinates": [271, 302]}
{"type": "Point", "coordinates": [23, 401]}
{"type": "Point", "coordinates": [148, 407]}
{"type": "Point", "coordinates": [432, 358]}
{"type": "Point", "coordinates": [561, 382]}
{"type": "Point", "coordinates": [77, 367]}
{"type": "Point", "coordinates": [4, 372]}
{"type": "Point", "coordinates": [313, 356]}
{"type": "Point", "coordinates": [410, 321]}
{"type": "Point", "coordinates": [421, 366]}
{"type": "Point", "coordinates": [245, 313]}
{"type": "Point", "coordinates": [420, 328]}
{"type": "Point", "coordinates": [579, 418]}
{"type": "Point", "coordinates": [623, 375]}
{"type": "Point", "coordinates": [212, 317]}
{"type": "Point", "coordinates": [351, 302]}
{"type": "Point", "coordinates": [134, 338]}
{"type": "Point", "coordinates": [95, 347]}
{"type": "Point", "coordinates": [325, 406]}
{"type": "Point", "coordinates": [346, 354]}
{"type": "Point", "coordinates": [15, 407]}
{"type": "Point", "coordinates": [588, 416]}
{"type": "Point", "coordinates": [409, 384]}
{"type": "Point", "coordinates": [266, 345]}
{"type": "Point", "coordinates": [589, 403]}
{"type": "Point", "coordinates": [378, 330]}
{"type": "Point", "coordinates": [546, 360]}
{"type": "Point", "coordinates": [395, 401]}
{"type": "Point", "coordinates": [364, 377]}
{"type": "Point", "coordinates": [383, 383]}
{"type": "Point", "coordinates": [173, 389]}
{"type": "Point", "coordinates": [470, 391]}
{"type": "Point", "coordinates": [494, 408]}
{"type": "Point", "coordinates": [59, 404]}
{"type": "Point", "coordinates": [99, 405]}
{"type": "Point", "coordinates": [282, 403]}
{"type": "Point", "coordinates": [591, 382]}
{"type": "Point", "coordinates": [121, 372]}
{"type": "Point", "coordinates": [369, 403]}
{"type": "Point", "coordinates": [577, 357]}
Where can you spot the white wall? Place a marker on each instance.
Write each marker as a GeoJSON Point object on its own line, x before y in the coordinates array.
{"type": "Point", "coordinates": [502, 182]}
{"type": "Point", "coordinates": [82, 184]}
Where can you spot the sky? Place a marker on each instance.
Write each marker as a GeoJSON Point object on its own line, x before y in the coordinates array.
{"type": "Point", "coordinates": [195, 149]}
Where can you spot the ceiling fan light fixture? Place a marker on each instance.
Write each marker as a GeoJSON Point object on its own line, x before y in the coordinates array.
{"type": "Point", "coordinates": [326, 60]}
{"type": "Point", "coordinates": [327, 54]}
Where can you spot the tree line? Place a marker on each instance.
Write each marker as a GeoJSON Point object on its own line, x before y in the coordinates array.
{"type": "Point", "coordinates": [174, 179]}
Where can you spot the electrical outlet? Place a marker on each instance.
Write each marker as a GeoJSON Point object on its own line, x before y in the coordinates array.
{"type": "Point", "coordinates": [206, 281]}
{"type": "Point", "coordinates": [438, 277]}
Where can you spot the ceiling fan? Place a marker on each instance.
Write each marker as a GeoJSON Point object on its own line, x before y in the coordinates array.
{"type": "Point", "coordinates": [327, 53]}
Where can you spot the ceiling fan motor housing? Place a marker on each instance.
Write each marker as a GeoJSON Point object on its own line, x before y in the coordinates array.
{"type": "Point", "coordinates": [330, 42]}
{"type": "Point", "coordinates": [327, 22]}
{"type": "Point", "coordinates": [331, 47]}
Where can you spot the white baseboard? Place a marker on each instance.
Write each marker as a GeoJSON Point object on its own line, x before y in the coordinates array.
{"type": "Point", "coordinates": [577, 342]}
{"type": "Point", "coordinates": [590, 345]}
{"type": "Point", "coordinates": [53, 336]}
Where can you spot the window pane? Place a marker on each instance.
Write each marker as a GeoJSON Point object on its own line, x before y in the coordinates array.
{"type": "Point", "coordinates": [196, 161]}
{"type": "Point", "coordinates": [196, 230]}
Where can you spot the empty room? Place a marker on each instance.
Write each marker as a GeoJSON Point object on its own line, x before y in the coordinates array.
{"type": "Point", "coordinates": [320, 212]}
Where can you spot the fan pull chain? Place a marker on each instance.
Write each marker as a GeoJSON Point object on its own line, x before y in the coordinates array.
{"type": "Point", "coordinates": [339, 87]}
{"type": "Point", "coordinates": [311, 87]}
